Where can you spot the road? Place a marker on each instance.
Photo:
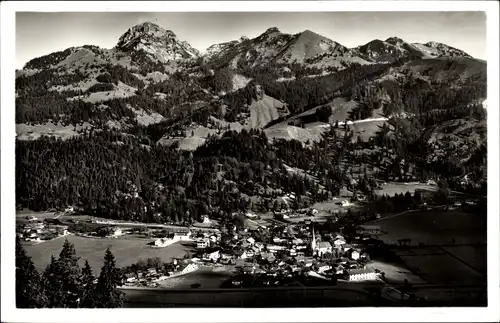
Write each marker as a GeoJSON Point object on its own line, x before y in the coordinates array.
{"type": "Point", "coordinates": [165, 226]}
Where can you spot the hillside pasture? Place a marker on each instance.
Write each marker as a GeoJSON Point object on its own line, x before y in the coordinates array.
{"type": "Point", "coordinates": [392, 189]}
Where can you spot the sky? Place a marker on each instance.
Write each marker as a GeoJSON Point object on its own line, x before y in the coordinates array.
{"type": "Point", "coordinates": [38, 34]}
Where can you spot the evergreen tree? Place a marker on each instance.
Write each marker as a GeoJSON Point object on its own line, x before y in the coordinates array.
{"type": "Point", "coordinates": [88, 293]}
{"type": "Point", "coordinates": [70, 275]}
{"type": "Point", "coordinates": [107, 293]}
{"type": "Point", "coordinates": [52, 285]}
{"type": "Point", "coordinates": [28, 284]}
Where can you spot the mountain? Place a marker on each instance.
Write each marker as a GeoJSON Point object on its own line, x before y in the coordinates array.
{"type": "Point", "coordinates": [395, 48]}
{"type": "Point", "coordinates": [271, 46]}
{"type": "Point", "coordinates": [252, 112]}
{"type": "Point", "coordinates": [160, 44]}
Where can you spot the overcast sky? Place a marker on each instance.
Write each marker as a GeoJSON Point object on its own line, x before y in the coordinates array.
{"type": "Point", "coordinates": [38, 34]}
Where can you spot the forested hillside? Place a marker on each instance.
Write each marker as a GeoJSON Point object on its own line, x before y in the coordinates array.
{"type": "Point", "coordinates": [414, 114]}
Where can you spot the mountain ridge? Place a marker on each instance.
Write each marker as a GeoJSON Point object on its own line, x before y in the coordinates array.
{"type": "Point", "coordinates": [164, 46]}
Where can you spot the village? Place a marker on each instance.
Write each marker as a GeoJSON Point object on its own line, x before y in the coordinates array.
{"type": "Point", "coordinates": [276, 255]}
{"type": "Point", "coordinates": [301, 248]}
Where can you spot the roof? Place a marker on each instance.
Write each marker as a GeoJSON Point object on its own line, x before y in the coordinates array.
{"type": "Point", "coordinates": [360, 271]}
{"type": "Point", "coordinates": [324, 244]}
{"type": "Point", "coordinates": [370, 226]}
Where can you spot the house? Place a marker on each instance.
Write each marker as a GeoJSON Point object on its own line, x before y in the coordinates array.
{"type": "Point", "coordinates": [189, 268]}
{"type": "Point", "coordinates": [298, 241]}
{"type": "Point", "coordinates": [369, 229]}
{"type": "Point", "coordinates": [324, 268]}
{"type": "Point", "coordinates": [202, 244]}
{"type": "Point", "coordinates": [345, 203]}
{"type": "Point", "coordinates": [361, 274]}
{"type": "Point", "coordinates": [251, 240]}
{"type": "Point", "coordinates": [268, 256]}
{"type": "Point", "coordinates": [353, 254]}
{"type": "Point", "coordinates": [241, 254]}
{"type": "Point", "coordinates": [339, 269]}
{"type": "Point", "coordinates": [163, 242]}
{"type": "Point", "coordinates": [206, 219]}
{"type": "Point", "coordinates": [293, 252]}
{"type": "Point", "coordinates": [274, 248]}
{"type": "Point", "coordinates": [277, 240]}
{"type": "Point", "coordinates": [323, 247]}
{"type": "Point", "coordinates": [182, 236]}
{"type": "Point", "coordinates": [212, 256]}
{"type": "Point", "coordinates": [117, 232]}
{"type": "Point", "coordinates": [251, 215]}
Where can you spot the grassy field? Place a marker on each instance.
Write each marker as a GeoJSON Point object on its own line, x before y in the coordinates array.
{"type": "Point", "coordinates": [206, 277]}
{"type": "Point", "coordinates": [126, 250]}
{"type": "Point", "coordinates": [435, 227]}
{"type": "Point", "coordinates": [392, 189]}
{"type": "Point", "coordinates": [443, 262]}
{"type": "Point", "coordinates": [442, 269]}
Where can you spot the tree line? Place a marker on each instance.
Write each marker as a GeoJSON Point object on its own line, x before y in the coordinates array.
{"type": "Point", "coordinates": [64, 284]}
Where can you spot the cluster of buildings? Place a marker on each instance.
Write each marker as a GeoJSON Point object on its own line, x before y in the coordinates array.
{"type": "Point", "coordinates": [287, 251]}
{"type": "Point", "coordinates": [34, 230]}
{"type": "Point", "coordinates": [173, 238]}
{"type": "Point", "coordinates": [152, 277]}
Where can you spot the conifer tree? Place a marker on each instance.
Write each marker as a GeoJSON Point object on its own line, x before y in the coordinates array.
{"type": "Point", "coordinates": [52, 285]}
{"type": "Point", "coordinates": [107, 292]}
{"type": "Point", "coordinates": [28, 282]}
{"type": "Point", "coordinates": [88, 288]}
{"type": "Point", "coordinates": [70, 275]}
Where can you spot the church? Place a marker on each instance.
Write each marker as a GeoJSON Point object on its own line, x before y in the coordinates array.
{"type": "Point", "coordinates": [319, 248]}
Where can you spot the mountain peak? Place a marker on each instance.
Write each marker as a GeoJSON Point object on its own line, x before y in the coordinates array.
{"type": "Point", "coordinates": [394, 41]}
{"type": "Point", "coordinates": [159, 43]}
{"type": "Point", "coordinates": [272, 30]}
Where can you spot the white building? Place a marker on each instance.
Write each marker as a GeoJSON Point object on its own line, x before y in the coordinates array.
{"type": "Point", "coordinates": [361, 274]}
{"type": "Point", "coordinates": [354, 255]}
{"type": "Point", "coordinates": [182, 236]}
{"type": "Point", "coordinates": [164, 242]}
{"type": "Point", "coordinates": [324, 268]}
{"type": "Point", "coordinates": [117, 232]}
{"type": "Point", "coordinates": [369, 229]}
{"type": "Point", "coordinates": [189, 269]}
{"type": "Point", "coordinates": [202, 244]}
{"type": "Point", "coordinates": [212, 256]}
{"type": "Point", "coordinates": [324, 247]}
{"type": "Point", "coordinates": [339, 241]}
{"type": "Point", "coordinates": [206, 219]}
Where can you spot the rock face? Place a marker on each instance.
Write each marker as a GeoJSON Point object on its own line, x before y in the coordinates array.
{"type": "Point", "coordinates": [161, 45]}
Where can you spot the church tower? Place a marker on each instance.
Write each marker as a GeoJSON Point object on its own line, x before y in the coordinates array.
{"type": "Point", "coordinates": [313, 241]}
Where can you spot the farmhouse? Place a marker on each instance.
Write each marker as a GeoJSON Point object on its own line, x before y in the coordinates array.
{"type": "Point", "coordinates": [163, 242]}
{"type": "Point", "coordinates": [369, 229]}
{"type": "Point", "coordinates": [202, 244]}
{"type": "Point", "coordinates": [117, 232]}
{"type": "Point", "coordinates": [339, 241]}
{"type": "Point", "coordinates": [353, 254]}
{"type": "Point", "coordinates": [182, 236]}
{"type": "Point", "coordinates": [214, 255]}
{"type": "Point", "coordinates": [361, 274]}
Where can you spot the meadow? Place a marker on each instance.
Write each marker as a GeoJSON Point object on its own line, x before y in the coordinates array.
{"type": "Point", "coordinates": [127, 251]}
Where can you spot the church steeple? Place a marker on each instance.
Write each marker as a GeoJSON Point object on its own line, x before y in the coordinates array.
{"type": "Point", "coordinates": [313, 242]}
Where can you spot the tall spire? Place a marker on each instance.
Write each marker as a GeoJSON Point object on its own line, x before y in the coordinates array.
{"type": "Point", "coordinates": [313, 242]}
